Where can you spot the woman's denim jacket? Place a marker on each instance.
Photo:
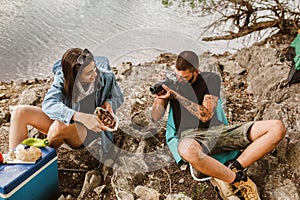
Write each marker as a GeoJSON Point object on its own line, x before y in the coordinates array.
{"type": "Point", "coordinates": [58, 107]}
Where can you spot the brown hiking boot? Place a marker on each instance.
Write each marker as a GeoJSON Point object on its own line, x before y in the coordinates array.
{"type": "Point", "coordinates": [225, 189]}
{"type": "Point", "coordinates": [248, 189]}
{"type": "Point", "coordinates": [246, 186]}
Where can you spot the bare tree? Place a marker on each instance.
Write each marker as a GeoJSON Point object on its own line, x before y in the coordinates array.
{"type": "Point", "coordinates": [242, 17]}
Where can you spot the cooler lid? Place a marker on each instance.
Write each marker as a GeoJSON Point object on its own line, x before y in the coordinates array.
{"type": "Point", "coordinates": [11, 175]}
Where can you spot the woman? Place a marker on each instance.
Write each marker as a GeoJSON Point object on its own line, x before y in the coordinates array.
{"type": "Point", "coordinates": [81, 83]}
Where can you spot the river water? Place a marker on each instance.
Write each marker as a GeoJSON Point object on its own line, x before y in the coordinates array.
{"type": "Point", "coordinates": [35, 33]}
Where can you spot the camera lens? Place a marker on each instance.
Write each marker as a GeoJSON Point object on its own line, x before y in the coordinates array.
{"type": "Point", "coordinates": [156, 88]}
{"type": "Point", "coordinates": [153, 90]}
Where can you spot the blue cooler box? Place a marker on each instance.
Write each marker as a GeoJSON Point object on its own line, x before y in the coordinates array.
{"type": "Point", "coordinates": [37, 181]}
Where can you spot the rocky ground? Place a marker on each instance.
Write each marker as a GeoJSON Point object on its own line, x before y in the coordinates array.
{"type": "Point", "coordinates": [140, 165]}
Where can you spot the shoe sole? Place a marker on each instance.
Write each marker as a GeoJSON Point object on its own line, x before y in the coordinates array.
{"type": "Point", "coordinates": [216, 185]}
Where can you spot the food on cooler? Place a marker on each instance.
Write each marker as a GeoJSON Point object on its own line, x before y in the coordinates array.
{"type": "Point", "coordinates": [37, 142]}
{"type": "Point", "coordinates": [30, 154]}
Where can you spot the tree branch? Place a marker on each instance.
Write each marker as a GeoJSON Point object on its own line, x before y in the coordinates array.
{"type": "Point", "coordinates": [243, 32]}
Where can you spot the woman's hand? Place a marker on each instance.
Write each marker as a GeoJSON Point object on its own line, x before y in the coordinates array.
{"type": "Point", "coordinates": [90, 121]}
{"type": "Point", "coordinates": [107, 107]}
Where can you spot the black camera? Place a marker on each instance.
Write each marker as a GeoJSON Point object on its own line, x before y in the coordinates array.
{"type": "Point", "coordinates": [156, 88]}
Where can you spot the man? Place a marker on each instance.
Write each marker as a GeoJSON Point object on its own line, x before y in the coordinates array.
{"type": "Point", "coordinates": [193, 102]}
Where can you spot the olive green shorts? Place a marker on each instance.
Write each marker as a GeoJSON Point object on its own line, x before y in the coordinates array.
{"type": "Point", "coordinates": [221, 138]}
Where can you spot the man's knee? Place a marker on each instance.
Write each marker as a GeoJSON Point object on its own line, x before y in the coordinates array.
{"type": "Point", "coordinates": [279, 129]}
{"type": "Point", "coordinates": [274, 129]}
{"type": "Point", "coordinates": [189, 149]}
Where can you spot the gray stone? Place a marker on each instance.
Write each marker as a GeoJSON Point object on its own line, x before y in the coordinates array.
{"type": "Point", "coordinates": [286, 192]}
{"type": "Point", "coordinates": [145, 193]}
{"type": "Point", "coordinates": [99, 189]}
{"type": "Point", "coordinates": [91, 181]}
{"type": "Point", "coordinates": [122, 195]}
{"type": "Point", "coordinates": [177, 197]}
{"type": "Point", "coordinates": [292, 156]}
{"type": "Point", "coordinates": [233, 67]}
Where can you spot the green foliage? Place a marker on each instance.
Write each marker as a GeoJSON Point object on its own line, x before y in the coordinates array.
{"type": "Point", "coordinates": [202, 7]}
{"type": "Point", "coordinates": [192, 3]}
{"type": "Point", "coordinates": [166, 3]}
{"type": "Point", "coordinates": [199, 189]}
{"type": "Point", "coordinates": [198, 3]}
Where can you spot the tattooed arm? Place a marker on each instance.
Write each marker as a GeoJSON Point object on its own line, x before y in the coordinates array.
{"type": "Point", "coordinates": [203, 112]}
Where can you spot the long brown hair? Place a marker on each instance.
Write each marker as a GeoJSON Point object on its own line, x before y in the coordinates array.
{"type": "Point", "coordinates": [71, 68]}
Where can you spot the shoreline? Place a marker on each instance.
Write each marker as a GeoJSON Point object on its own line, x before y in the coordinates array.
{"type": "Point", "coordinates": [252, 86]}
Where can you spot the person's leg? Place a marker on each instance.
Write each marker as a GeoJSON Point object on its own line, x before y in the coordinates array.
{"type": "Point", "coordinates": [73, 134]}
{"type": "Point", "coordinates": [265, 135]}
{"type": "Point", "coordinates": [191, 151]}
{"type": "Point", "coordinates": [57, 132]}
{"type": "Point", "coordinates": [22, 116]}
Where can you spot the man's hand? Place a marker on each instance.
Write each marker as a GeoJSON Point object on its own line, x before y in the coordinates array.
{"type": "Point", "coordinates": [167, 93]}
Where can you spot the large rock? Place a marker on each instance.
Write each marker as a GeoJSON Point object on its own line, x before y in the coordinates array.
{"type": "Point", "coordinates": [276, 100]}
{"type": "Point", "coordinates": [273, 99]}
{"type": "Point", "coordinates": [33, 95]}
